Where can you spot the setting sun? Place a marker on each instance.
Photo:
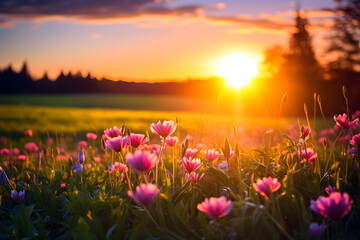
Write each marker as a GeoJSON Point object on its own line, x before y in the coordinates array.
{"type": "Point", "coordinates": [238, 70]}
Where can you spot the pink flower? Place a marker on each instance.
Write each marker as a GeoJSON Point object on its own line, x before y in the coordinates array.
{"type": "Point", "coordinates": [343, 121]}
{"type": "Point", "coordinates": [190, 152]}
{"type": "Point", "coordinates": [142, 161]}
{"type": "Point", "coordinates": [190, 164]}
{"type": "Point", "coordinates": [88, 166]}
{"type": "Point", "coordinates": [83, 144]}
{"type": "Point", "coordinates": [97, 159]}
{"type": "Point", "coordinates": [5, 152]}
{"type": "Point", "coordinates": [163, 129]}
{"type": "Point", "coordinates": [62, 185]}
{"type": "Point", "coordinates": [50, 141]}
{"type": "Point", "coordinates": [356, 114]}
{"type": "Point", "coordinates": [333, 207]}
{"type": "Point", "coordinates": [15, 151]}
{"type": "Point", "coordinates": [171, 141]}
{"type": "Point", "coordinates": [196, 177]}
{"type": "Point", "coordinates": [32, 147]}
{"type": "Point", "coordinates": [18, 196]}
{"type": "Point", "coordinates": [117, 143]}
{"type": "Point", "coordinates": [309, 154]}
{"type": "Point", "coordinates": [145, 194]}
{"type": "Point", "coordinates": [329, 190]}
{"type": "Point", "coordinates": [112, 132]}
{"type": "Point", "coordinates": [28, 133]}
{"type": "Point", "coordinates": [355, 140]}
{"type": "Point", "coordinates": [118, 166]}
{"type": "Point", "coordinates": [215, 207]}
{"type": "Point", "coordinates": [22, 158]}
{"type": "Point", "coordinates": [266, 186]}
{"type": "Point", "coordinates": [316, 230]}
{"type": "Point", "coordinates": [91, 136]}
{"type": "Point", "coordinates": [137, 140]}
{"type": "Point", "coordinates": [211, 155]}
{"type": "Point", "coordinates": [305, 133]}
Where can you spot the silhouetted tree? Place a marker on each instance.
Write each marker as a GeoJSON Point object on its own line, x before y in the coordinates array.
{"type": "Point", "coordinates": [345, 39]}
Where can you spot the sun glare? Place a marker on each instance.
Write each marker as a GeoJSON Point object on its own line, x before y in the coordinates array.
{"type": "Point", "coordinates": [238, 70]}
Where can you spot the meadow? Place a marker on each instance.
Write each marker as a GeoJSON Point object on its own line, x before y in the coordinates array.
{"type": "Point", "coordinates": [68, 173]}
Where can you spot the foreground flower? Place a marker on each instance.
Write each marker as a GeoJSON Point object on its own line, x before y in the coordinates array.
{"type": "Point", "coordinates": [18, 196]}
{"type": "Point", "coordinates": [196, 177]}
{"type": "Point", "coordinates": [112, 132]}
{"type": "Point", "coordinates": [28, 133]}
{"type": "Point", "coordinates": [145, 194]}
{"type": "Point", "coordinates": [171, 141]}
{"type": "Point", "coordinates": [316, 230]}
{"type": "Point", "coordinates": [215, 207]}
{"type": "Point", "coordinates": [163, 129]}
{"type": "Point", "coordinates": [117, 143]}
{"type": "Point", "coordinates": [266, 186]}
{"type": "Point", "coordinates": [309, 154]}
{"type": "Point", "coordinates": [120, 166]}
{"type": "Point", "coordinates": [190, 152]}
{"type": "Point", "coordinates": [334, 207]}
{"type": "Point", "coordinates": [344, 122]}
{"type": "Point", "coordinates": [191, 165]}
{"type": "Point", "coordinates": [329, 189]}
{"type": "Point", "coordinates": [32, 147]}
{"type": "Point", "coordinates": [137, 140]}
{"type": "Point", "coordinates": [142, 161]}
{"type": "Point", "coordinates": [355, 140]}
{"type": "Point", "coordinates": [305, 133]}
{"type": "Point", "coordinates": [211, 155]}
{"type": "Point", "coordinates": [4, 152]}
{"type": "Point", "coordinates": [91, 136]}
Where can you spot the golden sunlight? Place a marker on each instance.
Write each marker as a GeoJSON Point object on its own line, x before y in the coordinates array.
{"type": "Point", "coordinates": [238, 69]}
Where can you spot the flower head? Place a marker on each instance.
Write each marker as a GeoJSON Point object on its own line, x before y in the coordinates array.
{"type": "Point", "coordinates": [112, 132]}
{"type": "Point", "coordinates": [32, 147]}
{"type": "Point", "coordinates": [62, 185]}
{"type": "Point", "coordinates": [266, 186]}
{"type": "Point", "coordinates": [309, 154]}
{"type": "Point", "coordinates": [77, 167]}
{"type": "Point", "coordinates": [215, 207]}
{"type": "Point", "coordinates": [117, 143]}
{"type": "Point", "coordinates": [28, 133]}
{"type": "Point", "coordinates": [15, 151]}
{"type": "Point", "coordinates": [118, 166]}
{"type": "Point", "coordinates": [334, 207]}
{"type": "Point", "coordinates": [305, 133]}
{"type": "Point", "coordinates": [137, 140]}
{"type": "Point", "coordinates": [171, 141]}
{"type": "Point", "coordinates": [211, 155]}
{"type": "Point", "coordinates": [83, 144]}
{"type": "Point", "coordinates": [191, 164]}
{"type": "Point", "coordinates": [2, 176]}
{"type": "Point", "coordinates": [91, 136]}
{"type": "Point", "coordinates": [316, 230]}
{"type": "Point", "coordinates": [330, 189]}
{"type": "Point", "coordinates": [5, 151]}
{"type": "Point", "coordinates": [344, 122]}
{"type": "Point", "coordinates": [190, 152]}
{"type": "Point", "coordinates": [81, 157]}
{"type": "Point", "coordinates": [22, 158]}
{"type": "Point", "coordinates": [142, 161]}
{"type": "Point", "coordinates": [355, 140]}
{"type": "Point", "coordinates": [196, 177]}
{"type": "Point", "coordinates": [18, 196]}
{"type": "Point", "coordinates": [145, 194]}
{"type": "Point", "coordinates": [163, 129]}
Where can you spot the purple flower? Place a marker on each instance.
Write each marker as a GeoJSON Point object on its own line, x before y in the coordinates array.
{"type": "Point", "coordinates": [316, 230]}
{"type": "Point", "coordinates": [215, 207]}
{"type": "Point", "coordinates": [145, 194]}
{"type": "Point", "coordinates": [333, 207]}
{"type": "Point", "coordinates": [81, 157]}
{"type": "Point", "coordinates": [2, 176]}
{"type": "Point", "coordinates": [329, 190]}
{"type": "Point", "coordinates": [352, 151]}
{"type": "Point", "coordinates": [77, 167]}
{"type": "Point", "coordinates": [18, 196]}
{"type": "Point", "coordinates": [117, 143]}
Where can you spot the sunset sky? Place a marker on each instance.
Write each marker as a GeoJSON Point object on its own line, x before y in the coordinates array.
{"type": "Point", "coordinates": [147, 39]}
